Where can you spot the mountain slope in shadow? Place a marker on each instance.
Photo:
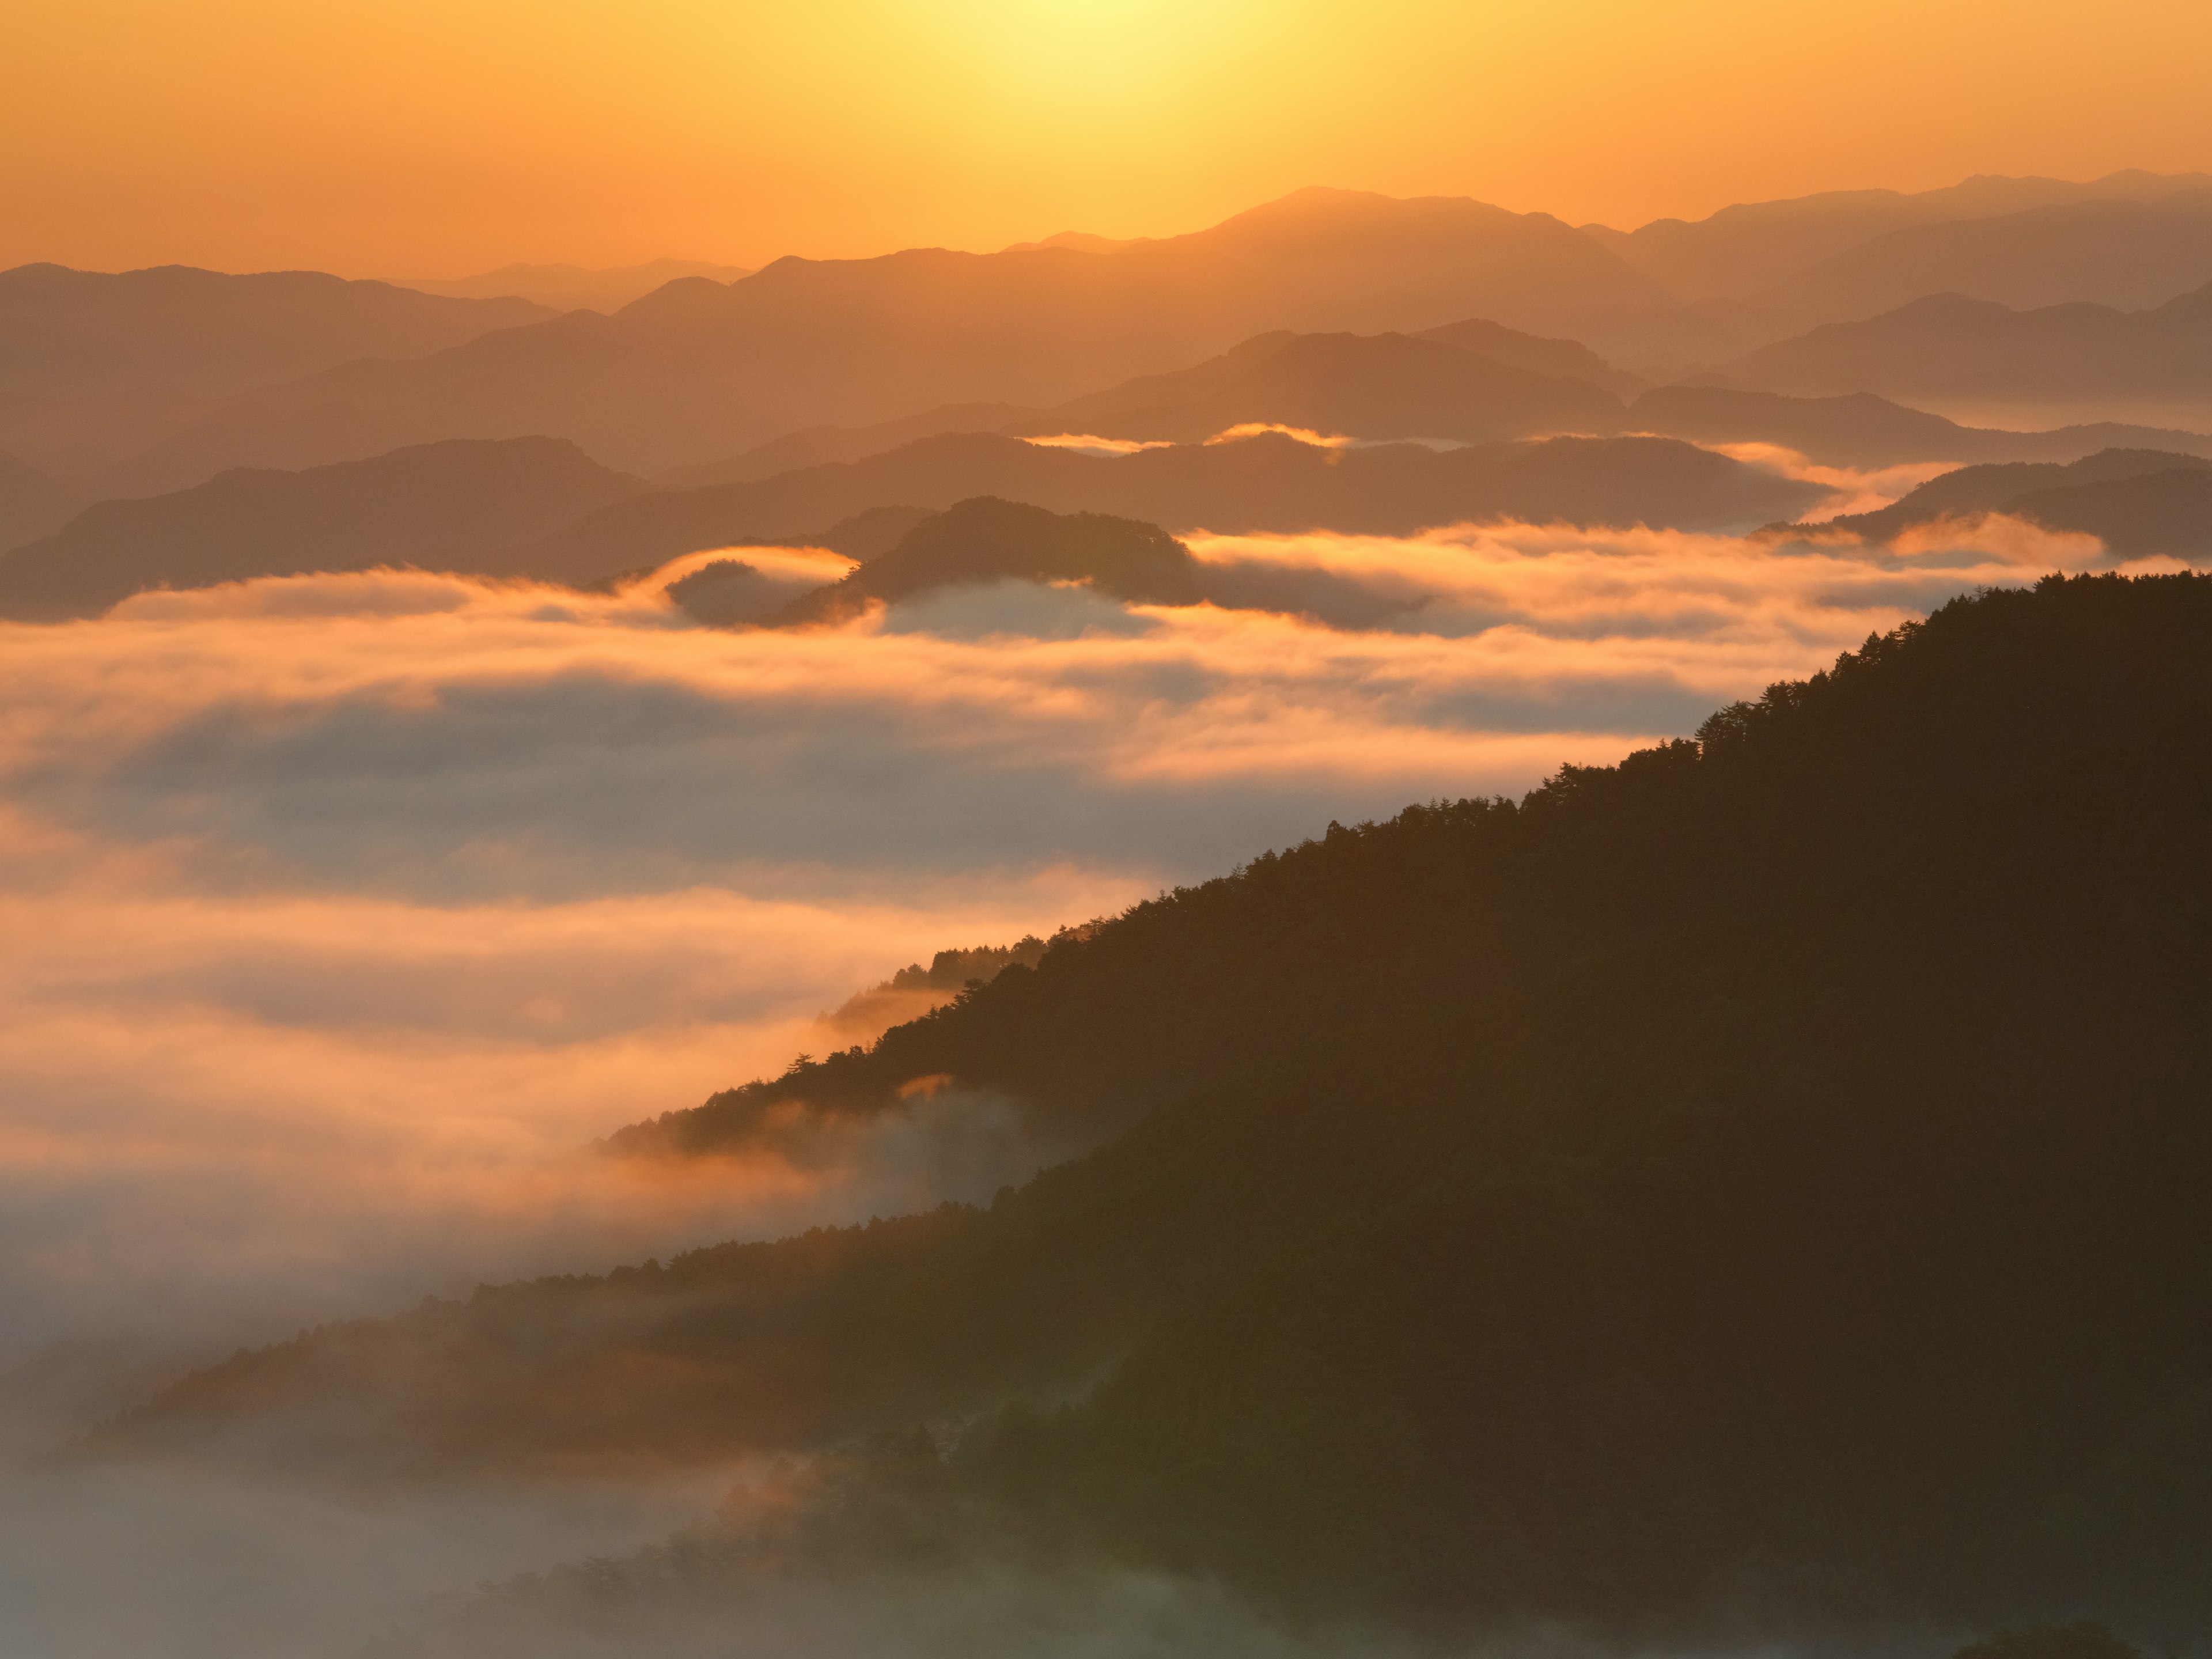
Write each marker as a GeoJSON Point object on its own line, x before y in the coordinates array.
{"type": "Point", "coordinates": [1761, 1181]}
{"type": "Point", "coordinates": [435, 506]}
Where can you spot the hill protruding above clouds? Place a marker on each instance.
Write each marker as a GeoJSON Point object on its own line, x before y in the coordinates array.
{"type": "Point", "coordinates": [699, 369]}
{"type": "Point", "coordinates": [989, 540]}
{"type": "Point", "coordinates": [73, 334]}
{"type": "Point", "coordinates": [1268, 483]}
{"type": "Point", "coordinates": [1949, 346]}
{"type": "Point", "coordinates": [434, 506]}
{"type": "Point", "coordinates": [574, 287]}
{"type": "Point", "coordinates": [1589, 1210]}
{"type": "Point", "coordinates": [1741, 252]}
{"type": "Point", "coordinates": [2136, 501]}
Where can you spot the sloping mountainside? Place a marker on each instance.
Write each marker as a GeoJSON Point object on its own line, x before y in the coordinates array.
{"type": "Point", "coordinates": [1364, 386]}
{"type": "Point", "coordinates": [248, 434]}
{"type": "Point", "coordinates": [2150, 502]}
{"type": "Point", "coordinates": [1742, 250]}
{"type": "Point", "coordinates": [2127, 255]}
{"type": "Point", "coordinates": [1756, 1186]}
{"type": "Point", "coordinates": [1267, 482]}
{"type": "Point", "coordinates": [31, 503]}
{"type": "Point", "coordinates": [1563, 360]}
{"type": "Point", "coordinates": [699, 369]}
{"type": "Point", "coordinates": [436, 506]}
{"type": "Point", "coordinates": [78, 333]}
{"type": "Point", "coordinates": [1948, 346]}
{"type": "Point", "coordinates": [1376, 386]}
{"type": "Point", "coordinates": [818, 446]}
{"type": "Point", "coordinates": [1861, 430]}
{"type": "Point", "coordinates": [986, 540]}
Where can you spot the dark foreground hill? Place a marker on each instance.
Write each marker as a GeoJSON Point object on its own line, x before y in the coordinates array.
{"type": "Point", "coordinates": [443, 506]}
{"type": "Point", "coordinates": [1758, 1187]}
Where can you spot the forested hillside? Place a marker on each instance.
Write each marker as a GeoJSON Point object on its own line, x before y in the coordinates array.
{"type": "Point", "coordinates": [1758, 1183]}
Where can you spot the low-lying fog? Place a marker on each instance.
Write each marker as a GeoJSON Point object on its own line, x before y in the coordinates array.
{"type": "Point", "coordinates": [341, 913]}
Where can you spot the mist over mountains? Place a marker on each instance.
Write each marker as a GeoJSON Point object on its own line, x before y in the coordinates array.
{"type": "Point", "coordinates": [1695, 1182]}
{"type": "Point", "coordinates": [1668, 1111]}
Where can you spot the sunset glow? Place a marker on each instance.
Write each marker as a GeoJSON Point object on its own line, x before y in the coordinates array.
{"type": "Point", "coordinates": [423, 139]}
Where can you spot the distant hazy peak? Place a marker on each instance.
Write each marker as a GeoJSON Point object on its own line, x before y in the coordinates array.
{"type": "Point", "coordinates": [1079, 241]}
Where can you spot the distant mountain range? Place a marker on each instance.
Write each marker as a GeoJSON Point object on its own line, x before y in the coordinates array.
{"type": "Point", "coordinates": [450, 505]}
{"type": "Point", "coordinates": [1267, 482]}
{"type": "Point", "coordinates": [79, 333]}
{"type": "Point", "coordinates": [1947, 346]}
{"type": "Point", "coordinates": [152, 381]}
{"type": "Point", "coordinates": [1746, 252]}
{"type": "Point", "coordinates": [574, 287]}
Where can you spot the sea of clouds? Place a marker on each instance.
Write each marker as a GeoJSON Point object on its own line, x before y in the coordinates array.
{"type": "Point", "coordinates": [339, 914]}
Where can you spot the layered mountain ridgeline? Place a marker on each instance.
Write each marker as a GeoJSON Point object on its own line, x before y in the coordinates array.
{"type": "Point", "coordinates": [1859, 429]}
{"type": "Point", "coordinates": [2136, 501]}
{"type": "Point", "coordinates": [1376, 387]}
{"type": "Point", "coordinates": [450, 505]}
{"type": "Point", "coordinates": [699, 369]}
{"type": "Point", "coordinates": [1756, 1186]}
{"type": "Point", "coordinates": [2126, 254]}
{"type": "Point", "coordinates": [1395, 387]}
{"type": "Point", "coordinates": [31, 503]}
{"type": "Point", "coordinates": [1268, 483]}
{"type": "Point", "coordinates": [1947, 346]}
{"type": "Point", "coordinates": [576, 288]}
{"type": "Point", "coordinates": [80, 333]}
{"type": "Point", "coordinates": [1742, 251]}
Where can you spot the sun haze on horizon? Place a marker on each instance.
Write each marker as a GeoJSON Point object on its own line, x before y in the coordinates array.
{"type": "Point", "coordinates": [419, 139]}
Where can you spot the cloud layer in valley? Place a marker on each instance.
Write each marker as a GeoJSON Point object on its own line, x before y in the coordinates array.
{"type": "Point", "coordinates": [343, 909]}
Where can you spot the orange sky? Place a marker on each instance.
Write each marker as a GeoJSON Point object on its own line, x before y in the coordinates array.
{"type": "Point", "coordinates": [434, 137]}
